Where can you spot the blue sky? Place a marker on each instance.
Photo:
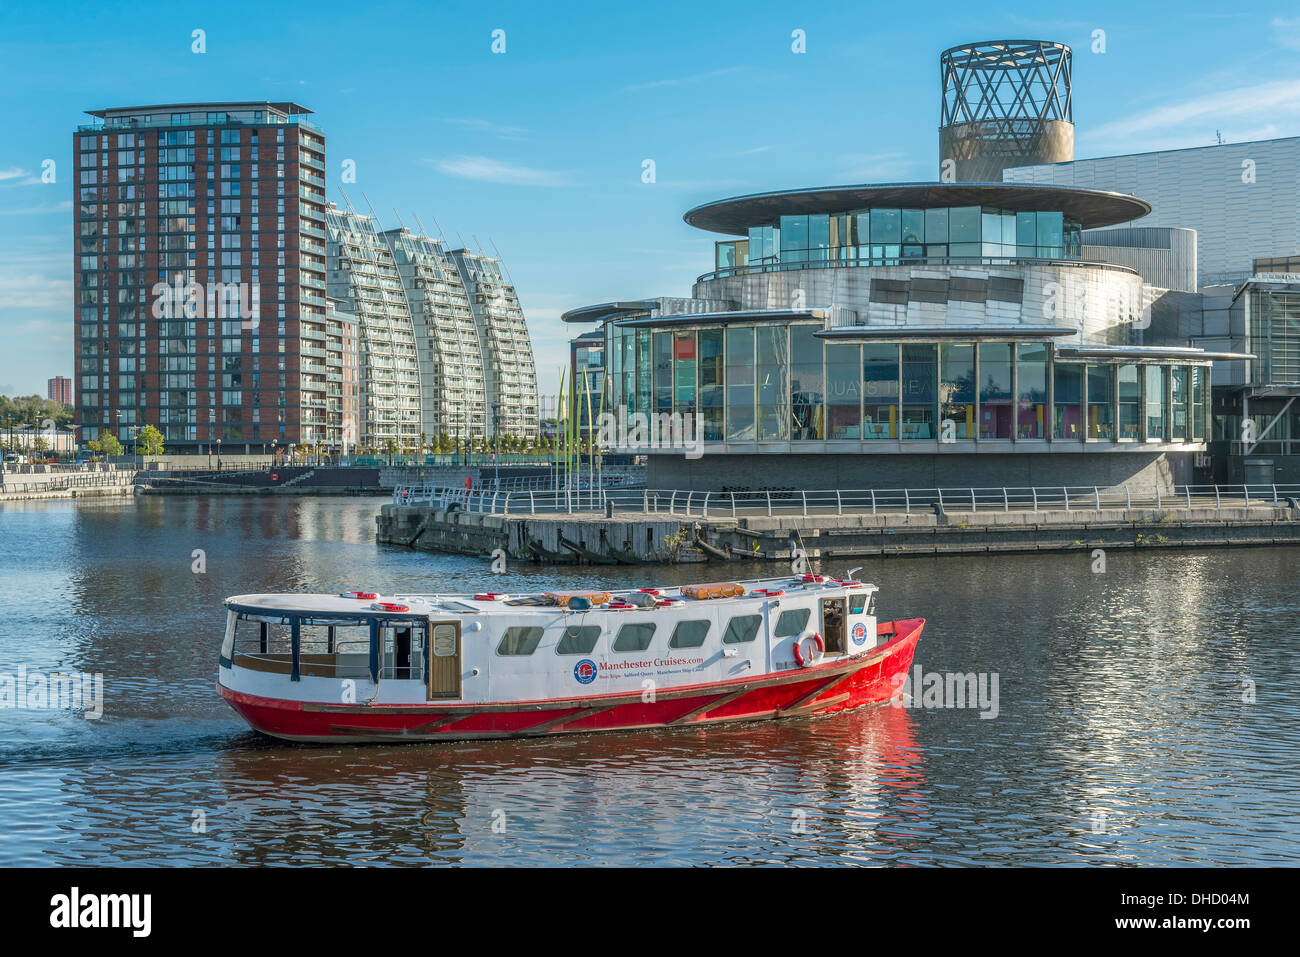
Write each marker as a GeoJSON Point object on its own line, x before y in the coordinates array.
{"type": "Point", "coordinates": [540, 149]}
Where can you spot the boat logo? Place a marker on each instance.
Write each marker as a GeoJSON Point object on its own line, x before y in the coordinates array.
{"type": "Point", "coordinates": [585, 671]}
{"type": "Point", "coordinates": [859, 634]}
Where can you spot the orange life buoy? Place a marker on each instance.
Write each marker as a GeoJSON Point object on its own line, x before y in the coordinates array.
{"type": "Point", "coordinates": [798, 650]}
{"type": "Point", "coordinates": [390, 606]}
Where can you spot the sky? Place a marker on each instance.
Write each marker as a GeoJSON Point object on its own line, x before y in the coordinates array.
{"type": "Point", "coordinates": [540, 149]}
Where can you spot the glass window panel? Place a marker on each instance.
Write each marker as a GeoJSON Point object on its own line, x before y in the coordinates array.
{"type": "Point", "coordinates": [995, 390]}
{"type": "Point", "coordinates": [794, 238]}
{"type": "Point", "coordinates": [1049, 234]}
{"type": "Point", "coordinates": [964, 250]}
{"type": "Point", "coordinates": [1008, 230]}
{"type": "Point", "coordinates": [1200, 401]}
{"type": "Point", "coordinates": [740, 384]}
{"type": "Point", "coordinates": [807, 401]}
{"type": "Point", "coordinates": [689, 634]}
{"type": "Point", "coordinates": [1180, 388]}
{"type": "Point", "coordinates": [920, 389]}
{"type": "Point", "coordinates": [936, 226]}
{"type": "Point", "coordinates": [843, 391]}
{"type": "Point", "coordinates": [1031, 386]}
{"type": "Point", "coordinates": [792, 622]}
{"type": "Point", "coordinates": [1101, 402]}
{"type": "Point", "coordinates": [634, 636]}
{"type": "Point", "coordinates": [880, 390]}
{"type": "Point", "coordinates": [741, 629]}
{"type": "Point", "coordinates": [772, 372]}
{"type": "Point", "coordinates": [957, 387]}
{"type": "Point", "coordinates": [819, 237]}
{"type": "Point", "coordinates": [663, 371]}
{"type": "Point", "coordinates": [886, 226]}
{"type": "Point", "coordinates": [913, 225]}
{"type": "Point", "coordinates": [1067, 399]}
{"type": "Point", "coordinates": [964, 224]}
{"type": "Point", "coordinates": [711, 383]}
{"type": "Point", "coordinates": [578, 640]}
{"type": "Point", "coordinates": [1130, 402]}
{"type": "Point", "coordinates": [643, 380]}
{"type": "Point", "coordinates": [1157, 403]}
{"type": "Point", "coordinates": [519, 641]}
{"type": "Point", "coordinates": [684, 373]}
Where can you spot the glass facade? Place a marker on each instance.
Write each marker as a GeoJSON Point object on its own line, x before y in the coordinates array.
{"type": "Point", "coordinates": [780, 382]}
{"type": "Point", "coordinates": [888, 236]}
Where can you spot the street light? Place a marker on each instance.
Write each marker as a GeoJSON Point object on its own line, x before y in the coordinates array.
{"type": "Point", "coordinates": [496, 441]}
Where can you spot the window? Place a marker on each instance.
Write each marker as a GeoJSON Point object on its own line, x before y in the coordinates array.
{"type": "Point", "coordinates": [792, 622]}
{"type": "Point", "coordinates": [806, 398]}
{"type": "Point", "coordinates": [957, 387]}
{"type": "Point", "coordinates": [1067, 394]}
{"type": "Point", "coordinates": [689, 634]}
{"type": "Point", "coordinates": [995, 390]}
{"type": "Point", "coordinates": [1031, 378]}
{"type": "Point", "coordinates": [1130, 402]}
{"type": "Point", "coordinates": [519, 641]}
{"type": "Point", "coordinates": [880, 390]}
{"type": "Point", "coordinates": [578, 641]}
{"type": "Point", "coordinates": [843, 391]}
{"type": "Point", "coordinates": [772, 368]}
{"type": "Point", "coordinates": [741, 629]}
{"type": "Point", "coordinates": [857, 603]}
{"type": "Point", "coordinates": [634, 636]}
{"type": "Point", "coordinates": [920, 369]}
{"type": "Point", "coordinates": [1101, 398]}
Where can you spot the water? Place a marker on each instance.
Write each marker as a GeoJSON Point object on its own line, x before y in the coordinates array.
{"type": "Point", "coordinates": [1122, 736]}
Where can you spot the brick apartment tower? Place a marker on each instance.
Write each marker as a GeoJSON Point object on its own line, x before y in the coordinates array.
{"type": "Point", "coordinates": [205, 197]}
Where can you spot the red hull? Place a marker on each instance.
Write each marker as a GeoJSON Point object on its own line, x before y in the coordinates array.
{"type": "Point", "coordinates": [821, 689]}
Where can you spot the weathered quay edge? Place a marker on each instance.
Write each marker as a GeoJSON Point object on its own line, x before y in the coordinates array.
{"type": "Point", "coordinates": [647, 538]}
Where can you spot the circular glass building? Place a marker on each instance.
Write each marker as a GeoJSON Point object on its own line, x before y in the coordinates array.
{"type": "Point", "coordinates": [904, 336]}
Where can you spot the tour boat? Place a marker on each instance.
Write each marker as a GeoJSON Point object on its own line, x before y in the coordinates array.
{"type": "Point", "coordinates": [365, 667]}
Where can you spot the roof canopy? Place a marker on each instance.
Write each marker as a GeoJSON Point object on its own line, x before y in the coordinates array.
{"type": "Point", "coordinates": [1092, 208]}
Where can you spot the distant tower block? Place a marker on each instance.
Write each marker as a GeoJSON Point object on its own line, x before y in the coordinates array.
{"type": "Point", "coordinates": [1005, 103]}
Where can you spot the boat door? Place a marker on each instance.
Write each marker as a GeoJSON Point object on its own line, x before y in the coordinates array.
{"type": "Point", "coordinates": [833, 626]}
{"type": "Point", "coordinates": [444, 659]}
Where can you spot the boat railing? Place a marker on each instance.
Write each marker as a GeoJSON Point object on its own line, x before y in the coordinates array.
{"type": "Point", "coordinates": [689, 503]}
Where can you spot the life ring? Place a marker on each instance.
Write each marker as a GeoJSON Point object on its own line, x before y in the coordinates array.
{"type": "Point", "coordinates": [811, 660]}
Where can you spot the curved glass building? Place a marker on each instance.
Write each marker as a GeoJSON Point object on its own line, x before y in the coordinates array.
{"type": "Point", "coordinates": [905, 335]}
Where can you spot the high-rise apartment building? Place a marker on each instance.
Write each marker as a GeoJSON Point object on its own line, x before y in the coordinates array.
{"type": "Point", "coordinates": [220, 297]}
{"type": "Point", "coordinates": [363, 275]}
{"type": "Point", "coordinates": [453, 393]}
{"type": "Point", "coordinates": [511, 379]}
{"type": "Point", "coordinates": [200, 275]}
{"type": "Point", "coordinates": [59, 389]}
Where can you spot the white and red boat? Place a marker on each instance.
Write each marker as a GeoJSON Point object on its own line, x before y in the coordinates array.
{"type": "Point", "coordinates": [364, 667]}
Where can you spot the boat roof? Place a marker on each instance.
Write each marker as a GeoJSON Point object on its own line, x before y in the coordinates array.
{"type": "Point", "coordinates": [512, 603]}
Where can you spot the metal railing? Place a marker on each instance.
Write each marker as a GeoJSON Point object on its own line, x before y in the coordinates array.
{"type": "Point", "coordinates": [725, 272]}
{"type": "Point", "coordinates": [807, 502]}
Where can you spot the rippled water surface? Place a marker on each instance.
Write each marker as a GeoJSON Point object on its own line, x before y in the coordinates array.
{"type": "Point", "coordinates": [1124, 733]}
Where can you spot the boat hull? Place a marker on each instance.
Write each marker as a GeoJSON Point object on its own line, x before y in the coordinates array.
{"type": "Point", "coordinates": [829, 687]}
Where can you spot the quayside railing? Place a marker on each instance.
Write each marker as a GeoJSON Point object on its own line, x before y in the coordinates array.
{"type": "Point", "coordinates": [811, 502]}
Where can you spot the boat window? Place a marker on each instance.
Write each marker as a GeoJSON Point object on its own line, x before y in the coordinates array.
{"type": "Point", "coordinates": [519, 641]}
{"type": "Point", "coordinates": [792, 622]}
{"type": "Point", "coordinates": [857, 603]}
{"type": "Point", "coordinates": [578, 641]}
{"type": "Point", "coordinates": [689, 634]}
{"type": "Point", "coordinates": [634, 637]}
{"type": "Point", "coordinates": [742, 628]}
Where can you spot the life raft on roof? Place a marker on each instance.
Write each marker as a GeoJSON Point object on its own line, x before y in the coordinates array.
{"type": "Point", "coordinates": [561, 598]}
{"type": "Point", "coordinates": [713, 590]}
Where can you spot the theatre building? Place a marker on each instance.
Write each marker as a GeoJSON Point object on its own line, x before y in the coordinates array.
{"type": "Point", "coordinates": [912, 336]}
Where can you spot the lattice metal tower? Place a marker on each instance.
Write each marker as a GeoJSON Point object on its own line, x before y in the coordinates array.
{"type": "Point", "coordinates": [1005, 103]}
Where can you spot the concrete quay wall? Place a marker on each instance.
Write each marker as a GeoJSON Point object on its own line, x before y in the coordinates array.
{"type": "Point", "coordinates": [644, 538]}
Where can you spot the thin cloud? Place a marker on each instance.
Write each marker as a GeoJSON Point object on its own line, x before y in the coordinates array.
{"type": "Point", "coordinates": [13, 173]}
{"type": "Point", "coordinates": [485, 169]}
{"type": "Point", "coordinates": [62, 207]}
{"type": "Point", "coordinates": [679, 81]}
{"type": "Point", "coordinates": [1261, 102]}
{"type": "Point", "coordinates": [480, 125]}
{"type": "Point", "coordinates": [877, 167]}
{"type": "Point", "coordinates": [1286, 32]}
{"type": "Point", "coordinates": [31, 291]}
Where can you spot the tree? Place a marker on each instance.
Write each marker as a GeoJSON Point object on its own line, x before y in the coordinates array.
{"type": "Point", "coordinates": [108, 445]}
{"type": "Point", "coordinates": [41, 444]}
{"type": "Point", "coordinates": [149, 441]}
